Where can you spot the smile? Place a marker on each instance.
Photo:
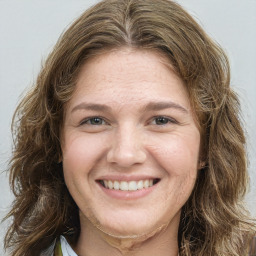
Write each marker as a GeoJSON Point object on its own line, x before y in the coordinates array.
{"type": "Point", "coordinates": [128, 185]}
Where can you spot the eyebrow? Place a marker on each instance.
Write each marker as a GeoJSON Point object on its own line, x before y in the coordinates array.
{"type": "Point", "coordinates": [151, 106]}
{"type": "Point", "coordinates": [91, 106]}
{"type": "Point", "coordinates": [155, 106]}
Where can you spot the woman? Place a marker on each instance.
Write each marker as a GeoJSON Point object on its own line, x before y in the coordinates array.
{"type": "Point", "coordinates": [130, 142]}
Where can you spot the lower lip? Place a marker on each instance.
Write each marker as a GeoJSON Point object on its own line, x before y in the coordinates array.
{"type": "Point", "coordinates": [127, 195]}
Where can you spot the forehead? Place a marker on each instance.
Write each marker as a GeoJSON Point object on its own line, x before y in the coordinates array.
{"type": "Point", "coordinates": [129, 74]}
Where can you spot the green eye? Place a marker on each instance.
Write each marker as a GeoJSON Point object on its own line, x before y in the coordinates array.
{"type": "Point", "coordinates": [94, 121]}
{"type": "Point", "coordinates": [162, 120]}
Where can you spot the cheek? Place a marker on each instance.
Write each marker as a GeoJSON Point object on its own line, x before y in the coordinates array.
{"type": "Point", "coordinates": [81, 153]}
{"type": "Point", "coordinates": [179, 159]}
{"type": "Point", "coordinates": [177, 155]}
{"type": "Point", "coordinates": [179, 162]}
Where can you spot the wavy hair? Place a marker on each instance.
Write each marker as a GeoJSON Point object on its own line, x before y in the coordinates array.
{"type": "Point", "coordinates": [214, 221]}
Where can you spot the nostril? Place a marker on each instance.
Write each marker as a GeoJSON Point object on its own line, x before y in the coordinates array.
{"type": "Point", "coordinates": [125, 152]}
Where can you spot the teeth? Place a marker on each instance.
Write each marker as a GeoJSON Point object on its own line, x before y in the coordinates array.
{"type": "Point", "coordinates": [116, 185]}
{"type": "Point", "coordinates": [146, 183]}
{"type": "Point", "coordinates": [132, 186]}
{"type": "Point", "coordinates": [140, 184]}
{"type": "Point", "coordinates": [110, 184]}
{"type": "Point", "coordinates": [128, 186]}
{"type": "Point", "coordinates": [124, 186]}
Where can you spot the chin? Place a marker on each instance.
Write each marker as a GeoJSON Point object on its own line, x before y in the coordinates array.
{"type": "Point", "coordinates": [130, 233]}
{"type": "Point", "coordinates": [136, 227]}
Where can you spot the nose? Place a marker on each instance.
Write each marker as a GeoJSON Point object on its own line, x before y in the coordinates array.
{"type": "Point", "coordinates": [127, 148]}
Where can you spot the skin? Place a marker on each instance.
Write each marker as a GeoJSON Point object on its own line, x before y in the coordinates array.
{"type": "Point", "coordinates": [145, 129]}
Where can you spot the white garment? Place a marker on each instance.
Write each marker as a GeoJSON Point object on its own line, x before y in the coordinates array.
{"type": "Point", "coordinates": [66, 248]}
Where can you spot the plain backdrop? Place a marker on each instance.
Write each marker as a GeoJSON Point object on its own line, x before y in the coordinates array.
{"type": "Point", "coordinates": [30, 28]}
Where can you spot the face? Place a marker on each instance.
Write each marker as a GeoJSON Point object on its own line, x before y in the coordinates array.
{"type": "Point", "coordinates": [130, 143]}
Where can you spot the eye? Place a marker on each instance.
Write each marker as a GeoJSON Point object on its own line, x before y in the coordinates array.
{"type": "Point", "coordinates": [162, 120]}
{"type": "Point", "coordinates": [93, 121]}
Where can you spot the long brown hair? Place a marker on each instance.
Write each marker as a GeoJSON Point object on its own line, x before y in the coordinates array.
{"type": "Point", "coordinates": [214, 221]}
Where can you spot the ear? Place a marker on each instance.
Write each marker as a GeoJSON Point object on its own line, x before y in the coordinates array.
{"type": "Point", "coordinates": [59, 159]}
{"type": "Point", "coordinates": [201, 165]}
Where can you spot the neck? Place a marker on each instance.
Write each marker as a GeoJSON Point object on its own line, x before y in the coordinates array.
{"type": "Point", "coordinates": [93, 241]}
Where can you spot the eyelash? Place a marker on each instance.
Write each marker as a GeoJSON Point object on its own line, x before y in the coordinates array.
{"type": "Point", "coordinates": [167, 119]}
{"type": "Point", "coordinates": [91, 118]}
{"type": "Point", "coordinates": [103, 122]}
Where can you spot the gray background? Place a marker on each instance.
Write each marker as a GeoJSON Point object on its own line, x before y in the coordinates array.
{"type": "Point", "coordinates": [30, 28]}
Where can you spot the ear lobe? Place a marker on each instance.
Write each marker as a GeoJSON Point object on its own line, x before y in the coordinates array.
{"type": "Point", "coordinates": [201, 165]}
{"type": "Point", "coordinates": [59, 160]}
